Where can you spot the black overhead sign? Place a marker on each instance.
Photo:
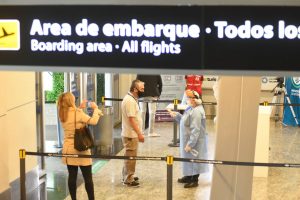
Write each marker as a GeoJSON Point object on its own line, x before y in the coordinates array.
{"type": "Point", "coordinates": [169, 37]}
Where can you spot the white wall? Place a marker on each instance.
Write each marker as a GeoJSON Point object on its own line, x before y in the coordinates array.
{"type": "Point", "coordinates": [265, 95]}
{"type": "Point", "coordinates": [17, 122]}
{"type": "Point", "coordinates": [235, 136]}
{"type": "Point", "coordinates": [4, 139]}
{"type": "Point", "coordinates": [125, 82]}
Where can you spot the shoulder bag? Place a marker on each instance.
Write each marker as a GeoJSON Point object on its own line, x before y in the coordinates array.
{"type": "Point", "coordinates": [83, 139]}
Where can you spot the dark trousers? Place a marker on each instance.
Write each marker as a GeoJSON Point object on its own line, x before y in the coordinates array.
{"type": "Point", "coordinates": [88, 180]}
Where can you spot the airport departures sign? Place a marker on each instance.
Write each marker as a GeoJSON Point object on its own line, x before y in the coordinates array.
{"type": "Point", "coordinates": [133, 29]}
{"type": "Point", "coordinates": [170, 37]}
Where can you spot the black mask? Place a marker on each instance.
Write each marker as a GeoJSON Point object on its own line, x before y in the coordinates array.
{"type": "Point", "coordinates": [139, 93]}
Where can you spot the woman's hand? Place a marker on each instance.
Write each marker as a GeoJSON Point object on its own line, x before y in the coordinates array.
{"type": "Point", "coordinates": [188, 148]}
{"type": "Point", "coordinates": [100, 113]}
{"type": "Point", "coordinates": [172, 113]}
{"type": "Point", "coordinates": [83, 104]}
{"type": "Point", "coordinates": [94, 106]}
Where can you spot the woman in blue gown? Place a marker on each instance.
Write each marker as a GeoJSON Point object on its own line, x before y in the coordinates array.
{"type": "Point", "coordinates": [193, 139]}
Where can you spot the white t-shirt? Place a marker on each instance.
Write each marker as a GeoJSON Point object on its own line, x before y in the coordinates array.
{"type": "Point", "coordinates": [130, 108]}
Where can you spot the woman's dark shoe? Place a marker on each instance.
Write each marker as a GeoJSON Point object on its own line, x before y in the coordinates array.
{"type": "Point", "coordinates": [185, 179]}
{"type": "Point", "coordinates": [191, 185]}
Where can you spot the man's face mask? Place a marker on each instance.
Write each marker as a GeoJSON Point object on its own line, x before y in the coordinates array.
{"type": "Point", "coordinates": [139, 93]}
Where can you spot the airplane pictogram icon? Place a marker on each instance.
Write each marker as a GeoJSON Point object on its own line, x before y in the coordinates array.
{"type": "Point", "coordinates": [9, 35]}
{"type": "Point", "coordinates": [5, 34]}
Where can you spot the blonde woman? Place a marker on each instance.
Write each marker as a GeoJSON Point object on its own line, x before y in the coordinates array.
{"type": "Point", "coordinates": [67, 114]}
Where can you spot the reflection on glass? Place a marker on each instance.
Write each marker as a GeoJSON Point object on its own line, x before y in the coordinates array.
{"type": "Point", "coordinates": [90, 87]}
{"type": "Point", "coordinates": [75, 87]}
{"type": "Point", "coordinates": [90, 91]}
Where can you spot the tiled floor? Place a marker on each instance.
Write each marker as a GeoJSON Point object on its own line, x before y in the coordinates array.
{"type": "Point", "coordinates": [57, 173]}
{"type": "Point", "coordinates": [152, 173]}
{"type": "Point", "coordinates": [57, 177]}
{"type": "Point", "coordinates": [281, 183]}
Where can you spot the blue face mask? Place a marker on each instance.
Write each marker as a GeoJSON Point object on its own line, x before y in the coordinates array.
{"type": "Point", "coordinates": [189, 103]}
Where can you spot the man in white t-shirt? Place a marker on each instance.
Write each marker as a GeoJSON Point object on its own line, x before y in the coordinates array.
{"type": "Point", "coordinates": [131, 130]}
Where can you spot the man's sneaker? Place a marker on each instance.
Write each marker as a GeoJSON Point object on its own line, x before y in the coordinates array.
{"type": "Point", "coordinates": [154, 135]}
{"type": "Point", "coordinates": [134, 178]}
{"type": "Point", "coordinates": [132, 184]}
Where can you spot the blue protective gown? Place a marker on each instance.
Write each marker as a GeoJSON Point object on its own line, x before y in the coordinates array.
{"type": "Point", "coordinates": [193, 133]}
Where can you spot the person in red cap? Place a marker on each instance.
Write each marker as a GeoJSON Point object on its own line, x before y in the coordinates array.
{"type": "Point", "coordinates": [193, 82]}
{"type": "Point", "coordinates": [193, 138]}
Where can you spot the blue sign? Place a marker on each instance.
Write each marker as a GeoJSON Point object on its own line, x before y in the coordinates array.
{"type": "Point", "coordinates": [291, 114]}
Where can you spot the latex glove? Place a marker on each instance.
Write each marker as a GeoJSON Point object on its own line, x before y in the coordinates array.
{"type": "Point", "coordinates": [172, 113]}
{"type": "Point", "coordinates": [188, 148]}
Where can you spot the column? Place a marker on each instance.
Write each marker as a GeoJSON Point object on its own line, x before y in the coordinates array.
{"type": "Point", "coordinates": [236, 135]}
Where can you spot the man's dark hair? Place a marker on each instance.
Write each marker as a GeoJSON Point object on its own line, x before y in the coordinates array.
{"type": "Point", "coordinates": [134, 84]}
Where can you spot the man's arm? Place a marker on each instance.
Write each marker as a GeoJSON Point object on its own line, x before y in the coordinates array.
{"type": "Point", "coordinates": [135, 127]}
